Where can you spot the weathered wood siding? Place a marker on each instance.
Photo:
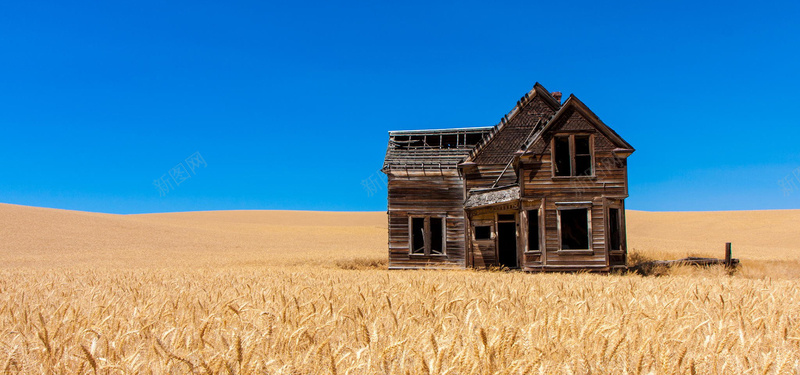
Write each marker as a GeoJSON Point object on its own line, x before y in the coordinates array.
{"type": "Point", "coordinates": [423, 181]}
{"type": "Point", "coordinates": [559, 259]}
{"type": "Point", "coordinates": [423, 193]}
{"type": "Point", "coordinates": [483, 252]}
{"type": "Point", "coordinates": [484, 176]}
{"type": "Point", "coordinates": [493, 158]}
{"type": "Point", "coordinates": [609, 182]}
{"type": "Point", "coordinates": [508, 137]}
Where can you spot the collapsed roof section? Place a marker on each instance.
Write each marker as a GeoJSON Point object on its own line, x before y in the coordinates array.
{"type": "Point", "coordinates": [431, 149]}
{"type": "Point", "coordinates": [533, 115]}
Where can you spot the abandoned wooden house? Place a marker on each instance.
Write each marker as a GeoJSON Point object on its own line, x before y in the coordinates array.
{"type": "Point", "coordinates": [543, 190]}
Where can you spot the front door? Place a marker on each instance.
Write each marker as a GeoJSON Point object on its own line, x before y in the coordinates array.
{"type": "Point", "coordinates": [507, 244]}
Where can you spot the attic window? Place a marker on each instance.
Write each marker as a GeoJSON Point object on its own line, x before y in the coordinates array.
{"type": "Point", "coordinates": [572, 155]}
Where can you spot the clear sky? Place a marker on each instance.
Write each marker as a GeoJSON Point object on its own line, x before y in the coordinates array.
{"type": "Point", "coordinates": [289, 103]}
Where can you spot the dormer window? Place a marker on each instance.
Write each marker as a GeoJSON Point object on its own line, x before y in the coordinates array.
{"type": "Point", "coordinates": [572, 155]}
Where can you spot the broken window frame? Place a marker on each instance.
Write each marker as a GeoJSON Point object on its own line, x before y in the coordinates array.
{"type": "Point", "coordinates": [413, 238]}
{"type": "Point", "coordinates": [458, 139]}
{"type": "Point", "coordinates": [565, 206]}
{"type": "Point", "coordinates": [572, 156]}
{"type": "Point", "coordinates": [539, 233]}
{"type": "Point", "coordinates": [427, 236]}
{"type": "Point", "coordinates": [615, 205]}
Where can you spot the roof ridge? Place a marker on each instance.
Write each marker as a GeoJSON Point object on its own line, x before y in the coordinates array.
{"type": "Point", "coordinates": [523, 101]}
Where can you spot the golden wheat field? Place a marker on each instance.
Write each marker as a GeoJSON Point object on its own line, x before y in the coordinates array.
{"type": "Point", "coordinates": [305, 293]}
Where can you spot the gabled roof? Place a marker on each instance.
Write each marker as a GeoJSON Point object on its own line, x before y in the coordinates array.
{"type": "Point", "coordinates": [431, 149]}
{"type": "Point", "coordinates": [573, 103]}
{"type": "Point", "coordinates": [508, 136]}
{"type": "Point", "coordinates": [534, 114]}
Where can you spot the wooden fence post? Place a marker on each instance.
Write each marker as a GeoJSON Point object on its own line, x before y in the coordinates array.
{"type": "Point", "coordinates": [728, 254]}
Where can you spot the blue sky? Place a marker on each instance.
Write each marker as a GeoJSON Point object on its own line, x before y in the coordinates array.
{"type": "Point", "coordinates": [290, 104]}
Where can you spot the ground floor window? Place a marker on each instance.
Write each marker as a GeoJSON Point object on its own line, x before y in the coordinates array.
{"type": "Point", "coordinates": [574, 228]}
{"type": "Point", "coordinates": [437, 238]}
{"type": "Point", "coordinates": [417, 235]}
{"type": "Point", "coordinates": [483, 232]}
{"type": "Point", "coordinates": [614, 233]}
{"type": "Point", "coordinates": [427, 235]}
{"type": "Point", "coordinates": [533, 230]}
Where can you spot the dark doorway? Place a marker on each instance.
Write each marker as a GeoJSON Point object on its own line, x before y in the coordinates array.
{"type": "Point", "coordinates": [507, 244]}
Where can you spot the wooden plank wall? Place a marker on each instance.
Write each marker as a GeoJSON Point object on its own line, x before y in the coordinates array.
{"type": "Point", "coordinates": [610, 182]}
{"type": "Point", "coordinates": [529, 258]}
{"type": "Point", "coordinates": [436, 193]}
{"type": "Point", "coordinates": [483, 176]}
{"type": "Point", "coordinates": [484, 253]}
{"type": "Point", "coordinates": [556, 259]}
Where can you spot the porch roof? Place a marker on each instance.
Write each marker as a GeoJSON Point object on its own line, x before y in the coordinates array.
{"type": "Point", "coordinates": [488, 197]}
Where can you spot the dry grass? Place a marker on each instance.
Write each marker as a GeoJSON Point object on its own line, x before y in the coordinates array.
{"type": "Point", "coordinates": [293, 321]}
{"type": "Point", "coordinates": [303, 293]}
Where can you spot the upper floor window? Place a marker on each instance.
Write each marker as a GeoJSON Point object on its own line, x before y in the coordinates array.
{"type": "Point", "coordinates": [572, 155]}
